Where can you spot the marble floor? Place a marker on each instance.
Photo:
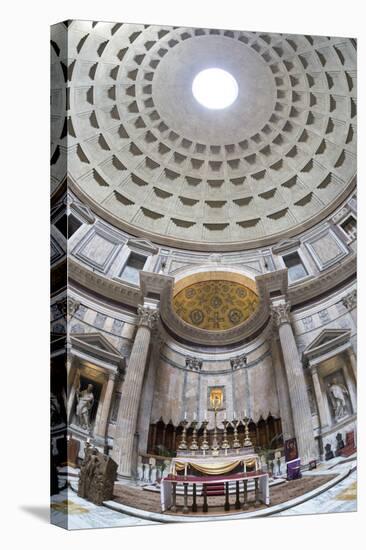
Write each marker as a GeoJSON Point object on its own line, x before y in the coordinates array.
{"type": "Point", "coordinates": [85, 515]}
{"type": "Point", "coordinates": [340, 498]}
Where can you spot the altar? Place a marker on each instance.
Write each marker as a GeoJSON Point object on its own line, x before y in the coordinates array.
{"type": "Point", "coordinates": [205, 468]}
{"type": "Point", "coordinates": [208, 476]}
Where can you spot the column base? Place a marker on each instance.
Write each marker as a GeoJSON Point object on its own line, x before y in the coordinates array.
{"type": "Point", "coordinates": [124, 477]}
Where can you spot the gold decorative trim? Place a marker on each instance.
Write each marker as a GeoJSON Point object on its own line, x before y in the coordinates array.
{"type": "Point", "coordinates": [214, 276]}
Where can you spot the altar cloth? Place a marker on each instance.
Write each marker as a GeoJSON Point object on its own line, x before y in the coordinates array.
{"type": "Point", "coordinates": [210, 465]}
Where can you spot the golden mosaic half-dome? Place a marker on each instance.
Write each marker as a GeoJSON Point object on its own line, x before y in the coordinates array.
{"type": "Point", "coordinates": [219, 301]}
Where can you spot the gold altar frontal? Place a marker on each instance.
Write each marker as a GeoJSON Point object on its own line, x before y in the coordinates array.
{"type": "Point", "coordinates": [216, 464]}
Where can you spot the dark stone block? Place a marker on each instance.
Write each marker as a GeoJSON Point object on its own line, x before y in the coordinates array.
{"type": "Point", "coordinates": [97, 476]}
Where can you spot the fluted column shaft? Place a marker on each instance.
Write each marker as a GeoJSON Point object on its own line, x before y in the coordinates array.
{"type": "Point", "coordinates": [323, 418]}
{"type": "Point", "coordinates": [301, 412]}
{"type": "Point", "coordinates": [71, 396]}
{"type": "Point", "coordinates": [107, 401]}
{"type": "Point", "coordinates": [351, 388]}
{"type": "Point", "coordinates": [282, 392]}
{"type": "Point", "coordinates": [123, 446]}
{"type": "Point", "coordinates": [353, 361]}
{"type": "Point", "coordinates": [147, 394]}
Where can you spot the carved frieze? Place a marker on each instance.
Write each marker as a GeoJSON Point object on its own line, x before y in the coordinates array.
{"type": "Point", "coordinates": [308, 322]}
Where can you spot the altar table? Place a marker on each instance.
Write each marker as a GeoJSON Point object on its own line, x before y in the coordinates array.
{"type": "Point", "coordinates": [168, 489]}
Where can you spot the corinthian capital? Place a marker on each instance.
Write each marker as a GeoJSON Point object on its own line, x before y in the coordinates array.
{"type": "Point", "coordinates": [147, 316]}
{"type": "Point", "coordinates": [350, 300]}
{"type": "Point", "coordinates": [238, 362]}
{"type": "Point", "coordinates": [281, 312]}
{"type": "Point", "coordinates": [193, 363]}
{"type": "Point", "coordinates": [68, 307]}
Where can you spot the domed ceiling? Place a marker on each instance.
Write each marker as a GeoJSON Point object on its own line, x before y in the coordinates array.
{"type": "Point", "coordinates": [150, 159]}
{"type": "Point", "coordinates": [215, 301]}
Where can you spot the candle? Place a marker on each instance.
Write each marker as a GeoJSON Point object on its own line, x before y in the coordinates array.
{"type": "Point", "coordinates": [206, 415]}
{"type": "Point", "coordinates": [185, 415]}
{"type": "Point", "coordinates": [234, 415]}
{"type": "Point", "coordinates": [225, 415]}
{"type": "Point", "coordinates": [245, 413]}
{"type": "Point", "coordinates": [194, 416]}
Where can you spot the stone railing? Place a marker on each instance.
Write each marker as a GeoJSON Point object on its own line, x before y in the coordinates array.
{"type": "Point", "coordinates": [152, 468]}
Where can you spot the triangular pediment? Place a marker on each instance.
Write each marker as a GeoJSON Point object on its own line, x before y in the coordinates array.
{"type": "Point", "coordinates": [98, 340]}
{"type": "Point", "coordinates": [284, 245]}
{"type": "Point", "coordinates": [142, 245]}
{"type": "Point", "coordinates": [326, 336]}
{"type": "Point", "coordinates": [83, 211]}
{"type": "Point", "coordinates": [327, 340]}
{"type": "Point", "coordinates": [97, 347]}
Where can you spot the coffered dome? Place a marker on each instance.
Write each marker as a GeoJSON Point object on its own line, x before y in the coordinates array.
{"type": "Point", "coordinates": [150, 159]}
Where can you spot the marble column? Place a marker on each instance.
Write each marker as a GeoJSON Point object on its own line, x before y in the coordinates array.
{"type": "Point", "coordinates": [301, 412]}
{"type": "Point", "coordinates": [147, 394]}
{"type": "Point", "coordinates": [70, 368]}
{"type": "Point", "coordinates": [71, 373]}
{"type": "Point", "coordinates": [323, 417]}
{"type": "Point", "coordinates": [101, 429]}
{"type": "Point", "coordinates": [351, 388]}
{"type": "Point", "coordinates": [353, 360]}
{"type": "Point", "coordinates": [124, 441]}
{"type": "Point", "coordinates": [282, 390]}
{"type": "Point", "coordinates": [71, 396]}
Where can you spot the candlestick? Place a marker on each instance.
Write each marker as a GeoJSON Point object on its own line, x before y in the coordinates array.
{"type": "Point", "coordinates": [215, 444]}
{"type": "Point", "coordinates": [247, 441]}
{"type": "Point", "coordinates": [204, 445]}
{"type": "Point", "coordinates": [225, 444]}
{"type": "Point", "coordinates": [193, 446]}
{"type": "Point", "coordinates": [183, 444]}
{"type": "Point", "coordinates": [236, 442]}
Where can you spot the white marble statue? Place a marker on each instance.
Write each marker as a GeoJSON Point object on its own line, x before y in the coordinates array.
{"type": "Point", "coordinates": [338, 393]}
{"type": "Point", "coordinates": [85, 400]}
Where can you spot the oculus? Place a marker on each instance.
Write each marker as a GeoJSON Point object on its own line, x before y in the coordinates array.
{"type": "Point", "coordinates": [215, 88]}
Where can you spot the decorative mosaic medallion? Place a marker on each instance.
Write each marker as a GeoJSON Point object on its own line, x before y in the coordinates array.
{"type": "Point", "coordinates": [215, 304]}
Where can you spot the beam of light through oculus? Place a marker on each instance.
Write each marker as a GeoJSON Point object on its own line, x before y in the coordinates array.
{"type": "Point", "coordinates": [215, 88]}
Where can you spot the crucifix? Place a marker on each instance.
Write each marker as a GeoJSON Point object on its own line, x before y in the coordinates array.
{"type": "Point", "coordinates": [216, 319]}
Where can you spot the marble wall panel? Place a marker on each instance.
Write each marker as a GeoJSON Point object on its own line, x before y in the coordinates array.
{"type": "Point", "coordinates": [98, 248]}
{"type": "Point", "coordinates": [263, 391]}
{"type": "Point", "coordinates": [326, 249]}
